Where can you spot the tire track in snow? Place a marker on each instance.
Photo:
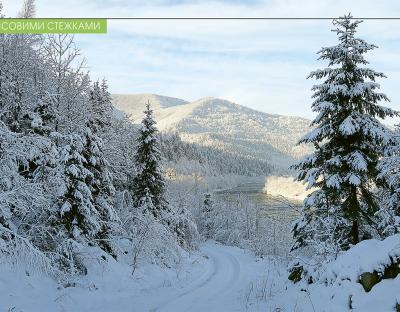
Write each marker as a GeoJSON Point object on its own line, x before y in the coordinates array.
{"type": "Point", "coordinates": [200, 282]}
{"type": "Point", "coordinates": [210, 294]}
{"type": "Point", "coordinates": [235, 265]}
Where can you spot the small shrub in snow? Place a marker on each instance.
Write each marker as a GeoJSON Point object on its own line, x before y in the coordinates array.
{"type": "Point", "coordinates": [152, 242]}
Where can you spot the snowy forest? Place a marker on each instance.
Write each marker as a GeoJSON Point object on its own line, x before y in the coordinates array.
{"type": "Point", "coordinates": [98, 213]}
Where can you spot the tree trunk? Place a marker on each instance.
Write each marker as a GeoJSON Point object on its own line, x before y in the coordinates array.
{"type": "Point", "coordinates": [354, 233]}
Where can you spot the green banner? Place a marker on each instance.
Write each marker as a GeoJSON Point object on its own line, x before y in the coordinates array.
{"type": "Point", "coordinates": [53, 25]}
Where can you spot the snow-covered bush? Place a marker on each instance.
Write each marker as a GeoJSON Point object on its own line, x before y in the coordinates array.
{"type": "Point", "coordinates": [240, 221]}
{"type": "Point", "coordinates": [152, 242]}
{"type": "Point", "coordinates": [17, 251]}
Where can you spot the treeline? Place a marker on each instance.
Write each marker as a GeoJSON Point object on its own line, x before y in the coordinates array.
{"type": "Point", "coordinates": [214, 161]}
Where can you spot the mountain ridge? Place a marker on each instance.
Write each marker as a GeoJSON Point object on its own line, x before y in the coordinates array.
{"type": "Point", "coordinates": [225, 125]}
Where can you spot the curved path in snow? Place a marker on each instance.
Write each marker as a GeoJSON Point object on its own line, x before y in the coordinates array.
{"type": "Point", "coordinates": [217, 287]}
{"type": "Point", "coordinates": [215, 279]}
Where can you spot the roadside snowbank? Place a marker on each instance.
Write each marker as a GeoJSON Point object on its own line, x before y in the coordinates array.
{"type": "Point", "coordinates": [338, 287]}
{"type": "Point", "coordinates": [108, 286]}
{"type": "Point", "coordinates": [367, 256]}
{"type": "Point", "coordinates": [342, 276]}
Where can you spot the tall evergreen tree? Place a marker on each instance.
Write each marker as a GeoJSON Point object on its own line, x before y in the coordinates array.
{"type": "Point", "coordinates": [86, 210]}
{"type": "Point", "coordinates": [101, 105]}
{"type": "Point", "coordinates": [149, 181]}
{"type": "Point", "coordinates": [348, 141]}
{"type": "Point", "coordinates": [100, 181]}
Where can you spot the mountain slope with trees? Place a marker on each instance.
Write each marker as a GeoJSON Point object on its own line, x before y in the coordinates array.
{"type": "Point", "coordinates": [226, 126]}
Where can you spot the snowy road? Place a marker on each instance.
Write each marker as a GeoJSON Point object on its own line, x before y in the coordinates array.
{"type": "Point", "coordinates": [213, 279]}
{"type": "Point", "coordinates": [219, 285]}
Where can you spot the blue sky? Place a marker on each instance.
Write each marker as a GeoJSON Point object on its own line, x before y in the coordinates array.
{"type": "Point", "coordinates": [259, 64]}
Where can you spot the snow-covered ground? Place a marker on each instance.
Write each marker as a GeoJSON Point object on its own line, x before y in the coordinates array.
{"type": "Point", "coordinates": [216, 278]}
{"type": "Point", "coordinates": [213, 279]}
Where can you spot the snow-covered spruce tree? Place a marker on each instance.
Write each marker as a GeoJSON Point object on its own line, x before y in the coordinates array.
{"type": "Point", "coordinates": [81, 203]}
{"type": "Point", "coordinates": [101, 105]}
{"type": "Point", "coordinates": [149, 184]}
{"type": "Point", "coordinates": [348, 141]}
{"type": "Point", "coordinates": [100, 180]}
{"type": "Point", "coordinates": [78, 213]}
{"type": "Point", "coordinates": [389, 171]}
{"type": "Point", "coordinates": [86, 210]}
{"type": "Point", "coordinates": [149, 180]}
